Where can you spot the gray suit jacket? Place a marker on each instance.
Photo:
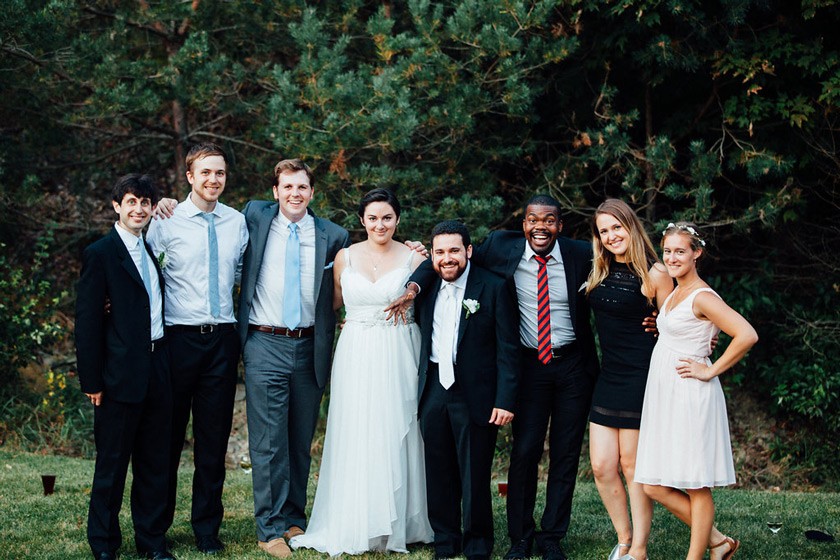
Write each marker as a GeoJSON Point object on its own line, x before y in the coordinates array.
{"type": "Point", "coordinates": [329, 240]}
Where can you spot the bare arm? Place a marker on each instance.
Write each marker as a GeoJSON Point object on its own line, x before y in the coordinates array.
{"type": "Point", "coordinates": [708, 306]}
{"type": "Point", "coordinates": [338, 268]}
{"type": "Point", "coordinates": [661, 286]}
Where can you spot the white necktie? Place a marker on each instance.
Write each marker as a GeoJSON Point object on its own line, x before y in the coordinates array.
{"type": "Point", "coordinates": [446, 368]}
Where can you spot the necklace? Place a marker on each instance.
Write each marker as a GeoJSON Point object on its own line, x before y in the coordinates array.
{"type": "Point", "coordinates": [373, 261]}
{"type": "Point", "coordinates": [679, 291]}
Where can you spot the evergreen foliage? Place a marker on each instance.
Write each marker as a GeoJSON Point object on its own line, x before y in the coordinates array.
{"type": "Point", "coordinates": [720, 112]}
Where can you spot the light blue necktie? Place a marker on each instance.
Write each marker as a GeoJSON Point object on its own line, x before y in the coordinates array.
{"type": "Point", "coordinates": [291, 280]}
{"type": "Point", "coordinates": [144, 267]}
{"type": "Point", "coordinates": [213, 253]}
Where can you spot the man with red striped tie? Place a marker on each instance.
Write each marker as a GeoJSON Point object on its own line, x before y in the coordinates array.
{"type": "Point", "coordinates": [559, 367]}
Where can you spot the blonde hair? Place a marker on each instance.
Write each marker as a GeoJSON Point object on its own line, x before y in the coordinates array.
{"type": "Point", "coordinates": [640, 254]}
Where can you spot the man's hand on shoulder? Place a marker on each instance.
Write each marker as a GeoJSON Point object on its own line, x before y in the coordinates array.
{"type": "Point", "coordinates": [417, 247]}
{"type": "Point", "coordinates": [165, 208]}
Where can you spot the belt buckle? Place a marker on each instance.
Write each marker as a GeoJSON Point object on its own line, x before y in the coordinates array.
{"type": "Point", "coordinates": [206, 329]}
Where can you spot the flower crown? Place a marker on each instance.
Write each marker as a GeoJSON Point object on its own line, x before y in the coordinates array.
{"type": "Point", "coordinates": [684, 227]}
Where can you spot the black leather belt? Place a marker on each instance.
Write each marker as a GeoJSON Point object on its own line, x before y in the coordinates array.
{"type": "Point", "coordinates": [557, 352]}
{"type": "Point", "coordinates": [305, 332]}
{"type": "Point", "coordinates": [203, 329]}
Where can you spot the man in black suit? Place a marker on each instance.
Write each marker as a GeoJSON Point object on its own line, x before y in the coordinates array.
{"type": "Point", "coordinates": [123, 369]}
{"type": "Point", "coordinates": [469, 371]}
{"type": "Point", "coordinates": [287, 326]}
{"type": "Point", "coordinates": [556, 384]}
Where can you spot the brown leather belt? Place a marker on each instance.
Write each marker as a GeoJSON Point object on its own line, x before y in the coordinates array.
{"type": "Point", "coordinates": [305, 332]}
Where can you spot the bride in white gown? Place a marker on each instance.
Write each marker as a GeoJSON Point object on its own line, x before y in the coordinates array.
{"type": "Point", "coordinates": [371, 492]}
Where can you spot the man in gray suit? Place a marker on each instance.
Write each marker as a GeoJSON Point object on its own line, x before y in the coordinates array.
{"type": "Point", "coordinates": [287, 325]}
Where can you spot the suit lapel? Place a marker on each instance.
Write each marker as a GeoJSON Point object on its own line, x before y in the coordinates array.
{"type": "Point", "coordinates": [514, 257]}
{"type": "Point", "coordinates": [261, 238]}
{"type": "Point", "coordinates": [320, 255]}
{"type": "Point", "coordinates": [125, 258]}
{"type": "Point", "coordinates": [472, 291]}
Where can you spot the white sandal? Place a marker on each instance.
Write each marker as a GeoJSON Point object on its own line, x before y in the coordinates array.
{"type": "Point", "coordinates": [616, 552]}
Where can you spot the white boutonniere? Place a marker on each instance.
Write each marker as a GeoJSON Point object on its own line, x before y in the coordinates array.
{"type": "Point", "coordinates": [163, 260]}
{"type": "Point", "coordinates": [471, 306]}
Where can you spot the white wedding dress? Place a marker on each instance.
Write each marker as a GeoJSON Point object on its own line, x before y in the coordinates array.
{"type": "Point", "coordinates": [371, 492]}
{"type": "Point", "coordinates": [684, 435]}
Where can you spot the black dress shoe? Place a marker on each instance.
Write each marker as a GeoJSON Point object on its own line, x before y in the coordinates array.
{"type": "Point", "coordinates": [518, 550]}
{"type": "Point", "coordinates": [479, 557]}
{"type": "Point", "coordinates": [553, 551]}
{"type": "Point", "coordinates": [159, 555]}
{"type": "Point", "coordinates": [105, 556]}
{"type": "Point", "coordinates": [209, 544]}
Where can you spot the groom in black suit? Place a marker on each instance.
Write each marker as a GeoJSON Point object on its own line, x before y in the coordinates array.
{"type": "Point", "coordinates": [469, 371]}
{"type": "Point", "coordinates": [123, 370]}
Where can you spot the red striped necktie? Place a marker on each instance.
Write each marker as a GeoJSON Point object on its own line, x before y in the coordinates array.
{"type": "Point", "coordinates": [543, 312]}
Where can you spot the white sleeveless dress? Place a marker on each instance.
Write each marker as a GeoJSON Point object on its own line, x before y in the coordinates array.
{"type": "Point", "coordinates": [684, 434]}
{"type": "Point", "coordinates": [371, 492]}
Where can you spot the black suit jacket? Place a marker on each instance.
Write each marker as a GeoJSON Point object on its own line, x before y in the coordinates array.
{"type": "Point", "coordinates": [329, 240]}
{"type": "Point", "coordinates": [501, 252]}
{"type": "Point", "coordinates": [113, 351]}
{"type": "Point", "coordinates": [487, 368]}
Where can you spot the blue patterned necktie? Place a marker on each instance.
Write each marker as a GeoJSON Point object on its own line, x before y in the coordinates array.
{"type": "Point", "coordinates": [144, 267]}
{"type": "Point", "coordinates": [213, 254]}
{"type": "Point", "coordinates": [291, 280]}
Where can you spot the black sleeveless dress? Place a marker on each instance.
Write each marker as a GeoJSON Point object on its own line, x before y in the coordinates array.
{"type": "Point", "coordinates": [620, 307]}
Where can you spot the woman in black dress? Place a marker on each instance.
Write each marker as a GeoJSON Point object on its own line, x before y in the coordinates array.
{"type": "Point", "coordinates": [626, 285]}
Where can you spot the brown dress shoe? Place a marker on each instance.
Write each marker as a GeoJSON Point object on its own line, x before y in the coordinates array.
{"type": "Point", "coordinates": [277, 548]}
{"type": "Point", "coordinates": [293, 531]}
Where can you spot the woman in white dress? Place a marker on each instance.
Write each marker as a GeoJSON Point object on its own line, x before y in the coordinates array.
{"type": "Point", "coordinates": [684, 447]}
{"type": "Point", "coordinates": [371, 492]}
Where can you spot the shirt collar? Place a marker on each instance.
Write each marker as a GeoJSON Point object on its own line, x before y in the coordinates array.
{"type": "Point", "coordinates": [192, 210]}
{"type": "Point", "coordinates": [131, 241]}
{"type": "Point", "coordinates": [303, 223]}
{"type": "Point", "coordinates": [555, 252]}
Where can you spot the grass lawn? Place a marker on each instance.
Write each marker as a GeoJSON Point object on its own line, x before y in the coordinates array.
{"type": "Point", "coordinates": [36, 526]}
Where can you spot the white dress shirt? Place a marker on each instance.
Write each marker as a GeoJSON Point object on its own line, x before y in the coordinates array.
{"type": "Point", "coordinates": [134, 244]}
{"type": "Point", "coordinates": [441, 315]}
{"type": "Point", "coordinates": [525, 278]}
{"type": "Point", "coordinates": [267, 308]}
{"type": "Point", "coordinates": [183, 241]}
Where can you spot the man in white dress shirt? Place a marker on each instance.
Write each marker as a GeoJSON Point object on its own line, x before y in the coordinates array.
{"type": "Point", "coordinates": [287, 327]}
{"type": "Point", "coordinates": [200, 250]}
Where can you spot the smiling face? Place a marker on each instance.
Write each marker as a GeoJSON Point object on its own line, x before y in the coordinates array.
{"type": "Point", "coordinates": [541, 225]}
{"type": "Point", "coordinates": [380, 221]}
{"type": "Point", "coordinates": [449, 256]}
{"type": "Point", "coordinates": [207, 176]}
{"type": "Point", "coordinates": [134, 213]}
{"type": "Point", "coordinates": [613, 235]}
{"type": "Point", "coordinates": [293, 191]}
{"type": "Point", "coordinates": [678, 256]}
